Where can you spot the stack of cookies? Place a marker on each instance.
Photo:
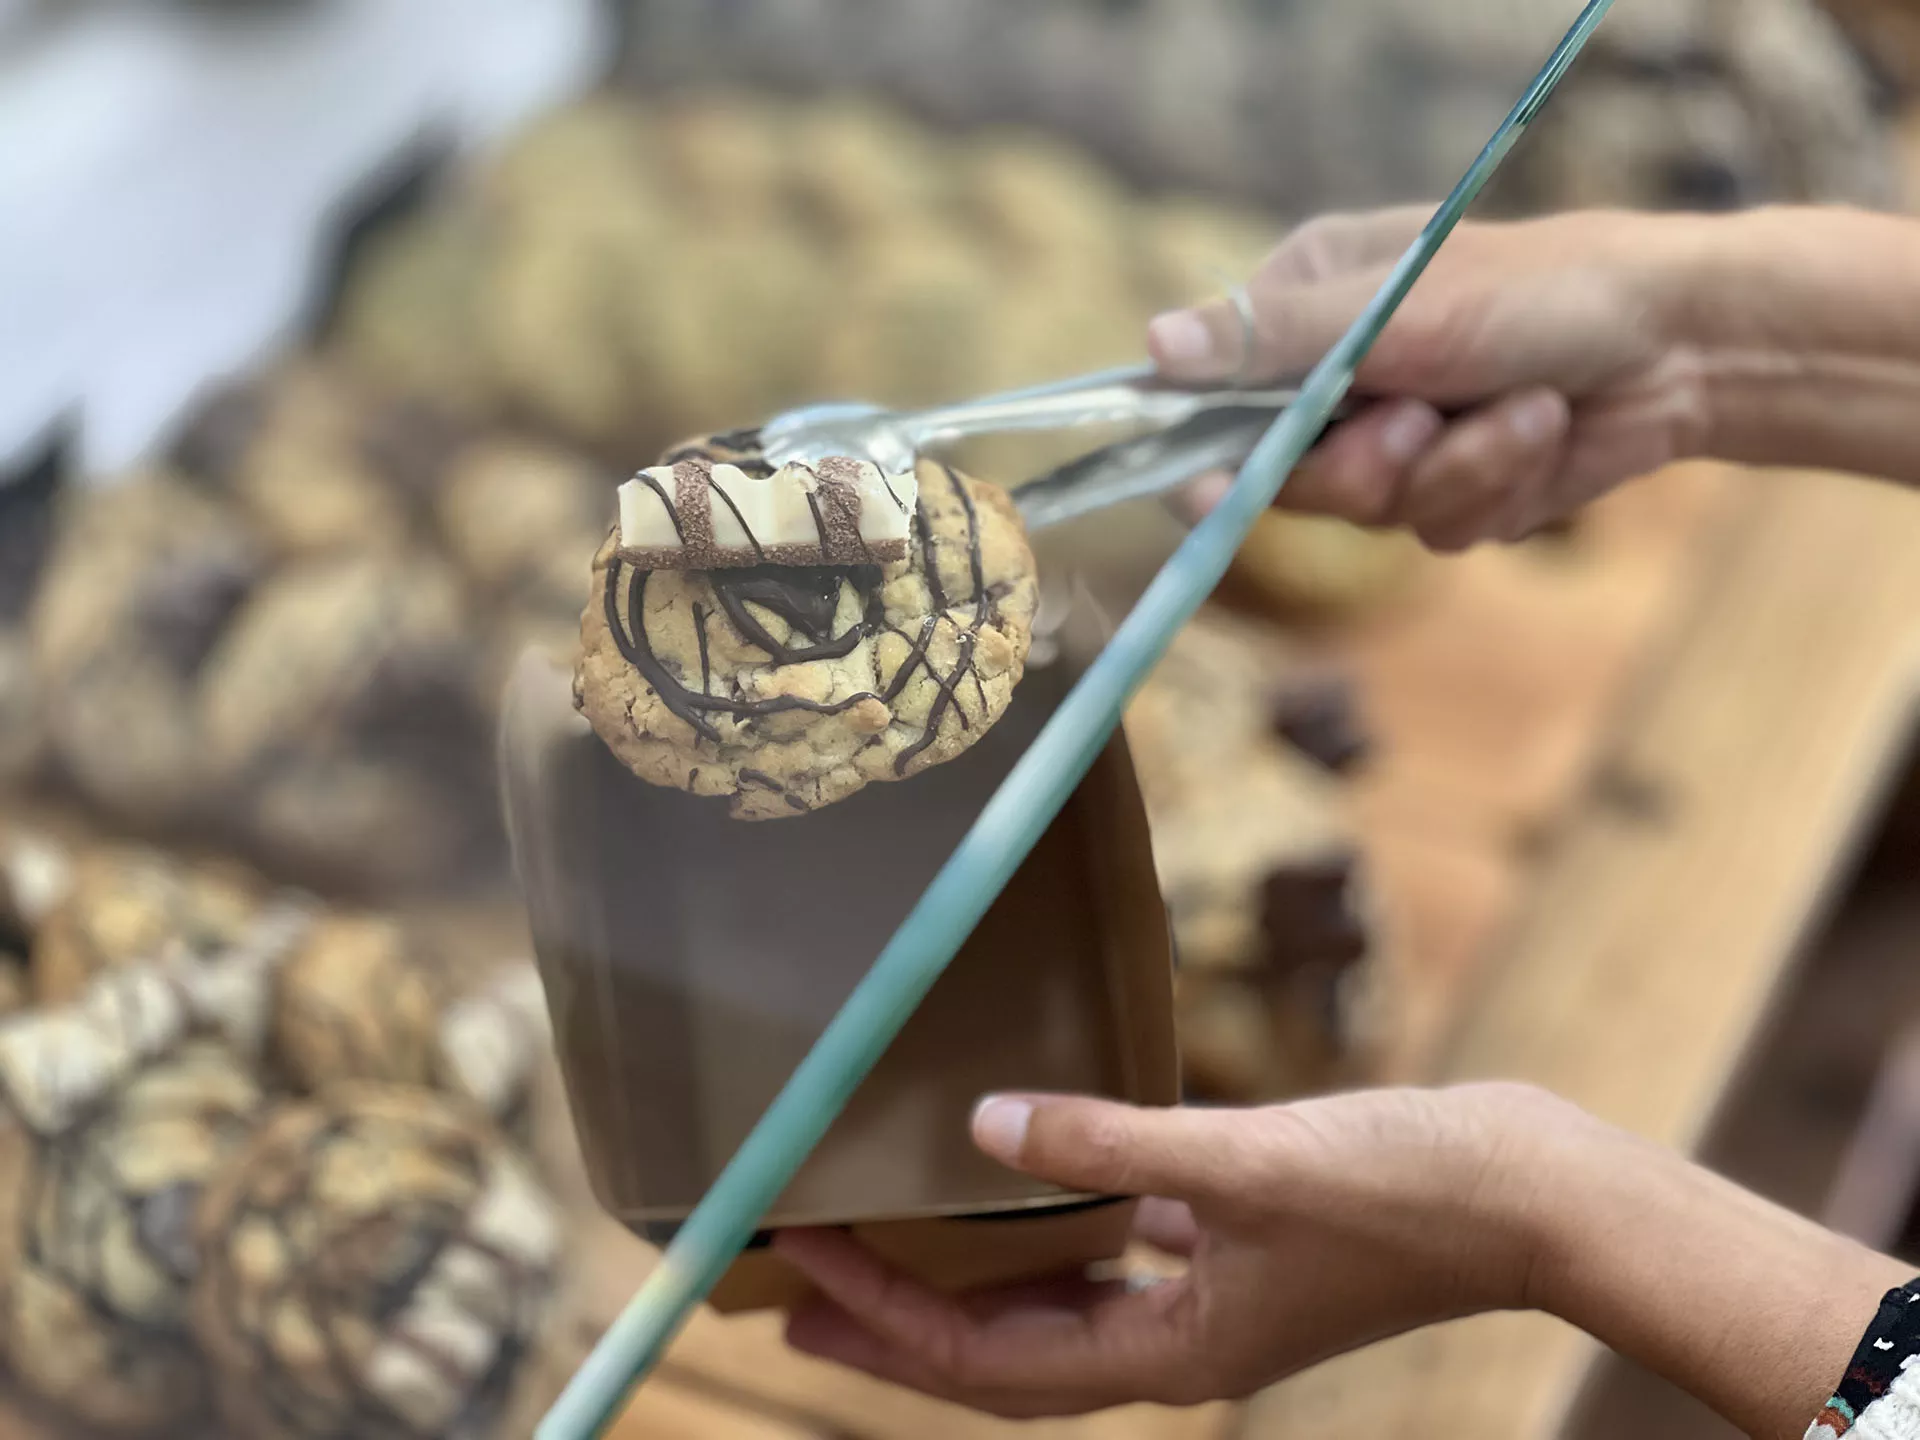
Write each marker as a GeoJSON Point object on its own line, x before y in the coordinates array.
{"type": "Point", "coordinates": [259, 1162]}
{"type": "Point", "coordinates": [290, 638]}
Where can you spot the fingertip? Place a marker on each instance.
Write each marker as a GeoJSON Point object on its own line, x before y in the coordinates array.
{"type": "Point", "coordinates": [1407, 429]}
{"type": "Point", "coordinates": [1000, 1124]}
{"type": "Point", "coordinates": [1180, 340]}
{"type": "Point", "coordinates": [1540, 417]}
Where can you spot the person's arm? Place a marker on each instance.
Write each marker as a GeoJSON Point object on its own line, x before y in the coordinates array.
{"type": "Point", "coordinates": [1579, 351]}
{"type": "Point", "coordinates": [1746, 1306]}
{"type": "Point", "coordinates": [1312, 1229]}
{"type": "Point", "coordinates": [1807, 323]}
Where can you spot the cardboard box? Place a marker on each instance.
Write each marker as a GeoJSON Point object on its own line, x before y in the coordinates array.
{"type": "Point", "coordinates": [690, 960]}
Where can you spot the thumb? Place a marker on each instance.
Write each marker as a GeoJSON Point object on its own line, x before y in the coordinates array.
{"type": "Point", "coordinates": [1294, 324]}
{"type": "Point", "coordinates": [1107, 1148]}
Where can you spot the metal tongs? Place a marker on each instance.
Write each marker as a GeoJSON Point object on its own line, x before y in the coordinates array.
{"type": "Point", "coordinates": [1187, 432]}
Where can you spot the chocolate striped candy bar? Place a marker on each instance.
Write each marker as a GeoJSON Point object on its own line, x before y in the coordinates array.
{"type": "Point", "coordinates": [701, 513]}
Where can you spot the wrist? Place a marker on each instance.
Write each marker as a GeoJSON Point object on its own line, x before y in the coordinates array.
{"type": "Point", "coordinates": [1746, 1306]}
{"type": "Point", "coordinates": [1798, 330]}
{"type": "Point", "coordinates": [1524, 1206]}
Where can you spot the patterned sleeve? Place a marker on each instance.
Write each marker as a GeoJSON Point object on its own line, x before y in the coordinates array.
{"type": "Point", "coordinates": [1880, 1397]}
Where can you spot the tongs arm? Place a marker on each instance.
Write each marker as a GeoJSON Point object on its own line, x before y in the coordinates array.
{"type": "Point", "coordinates": [1219, 438]}
{"type": "Point", "coordinates": [1132, 397]}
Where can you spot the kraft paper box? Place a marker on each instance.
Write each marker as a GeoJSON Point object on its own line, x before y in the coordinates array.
{"type": "Point", "coordinates": [690, 960]}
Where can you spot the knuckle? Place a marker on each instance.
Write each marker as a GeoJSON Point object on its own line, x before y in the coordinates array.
{"type": "Point", "coordinates": [1103, 1145]}
{"type": "Point", "coordinates": [1317, 248]}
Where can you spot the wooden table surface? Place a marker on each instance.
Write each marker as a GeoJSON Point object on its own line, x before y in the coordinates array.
{"type": "Point", "coordinates": [1661, 926]}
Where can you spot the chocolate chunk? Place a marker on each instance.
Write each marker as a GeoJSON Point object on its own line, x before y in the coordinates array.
{"type": "Point", "coordinates": [187, 610]}
{"type": "Point", "coordinates": [1310, 918]}
{"type": "Point", "coordinates": [164, 1223]}
{"type": "Point", "coordinates": [1320, 718]}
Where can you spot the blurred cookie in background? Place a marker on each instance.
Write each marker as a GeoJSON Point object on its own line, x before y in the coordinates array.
{"type": "Point", "coordinates": [1260, 866]}
{"type": "Point", "coordinates": [522, 521]}
{"type": "Point", "coordinates": [726, 155]}
{"type": "Point", "coordinates": [126, 905]}
{"type": "Point", "coordinates": [1314, 569]}
{"type": "Point", "coordinates": [143, 580]}
{"type": "Point", "coordinates": [858, 169]}
{"type": "Point", "coordinates": [355, 1003]}
{"type": "Point", "coordinates": [304, 458]}
{"type": "Point", "coordinates": [914, 326]}
{"type": "Point", "coordinates": [103, 1244]}
{"type": "Point", "coordinates": [1397, 95]}
{"type": "Point", "coordinates": [337, 718]}
{"type": "Point", "coordinates": [378, 1262]}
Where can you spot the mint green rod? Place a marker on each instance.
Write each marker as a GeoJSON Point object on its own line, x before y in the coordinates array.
{"type": "Point", "coordinates": [1008, 828]}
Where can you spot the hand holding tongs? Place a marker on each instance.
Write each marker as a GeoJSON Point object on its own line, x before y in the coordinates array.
{"type": "Point", "coordinates": [1190, 431]}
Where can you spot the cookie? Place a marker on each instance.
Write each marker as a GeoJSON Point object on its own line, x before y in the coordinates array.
{"type": "Point", "coordinates": [1317, 568]}
{"type": "Point", "coordinates": [354, 1003]}
{"type": "Point", "coordinates": [317, 462]}
{"type": "Point", "coordinates": [125, 906]}
{"type": "Point", "coordinates": [338, 714]}
{"type": "Point", "coordinates": [786, 689]}
{"type": "Point", "coordinates": [1258, 859]}
{"type": "Point", "coordinates": [96, 1317]}
{"type": "Point", "coordinates": [492, 1041]}
{"type": "Point", "coordinates": [520, 519]}
{"type": "Point", "coordinates": [375, 1266]}
{"type": "Point", "coordinates": [62, 1062]}
{"type": "Point", "coordinates": [143, 580]}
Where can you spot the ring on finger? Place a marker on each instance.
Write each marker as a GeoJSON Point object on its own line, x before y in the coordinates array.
{"type": "Point", "coordinates": [1242, 301]}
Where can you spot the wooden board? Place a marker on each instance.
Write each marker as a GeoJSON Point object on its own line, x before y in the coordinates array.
{"type": "Point", "coordinates": [1668, 912]}
{"type": "Point", "coordinates": [1492, 690]}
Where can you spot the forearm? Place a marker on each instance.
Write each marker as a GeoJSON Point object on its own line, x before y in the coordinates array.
{"type": "Point", "coordinates": [1805, 325]}
{"type": "Point", "coordinates": [1752, 1309]}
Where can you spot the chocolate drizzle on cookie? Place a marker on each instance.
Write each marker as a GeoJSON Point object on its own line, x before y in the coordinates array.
{"type": "Point", "coordinates": [984, 611]}
{"type": "Point", "coordinates": [673, 510]}
{"type": "Point", "coordinates": [631, 636]}
{"type": "Point", "coordinates": [808, 600]}
{"type": "Point", "coordinates": [713, 484]}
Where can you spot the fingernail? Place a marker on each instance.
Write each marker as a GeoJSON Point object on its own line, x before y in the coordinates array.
{"type": "Point", "coordinates": [1538, 418]}
{"type": "Point", "coordinates": [1180, 336]}
{"type": "Point", "coordinates": [1000, 1127]}
{"type": "Point", "coordinates": [1409, 432]}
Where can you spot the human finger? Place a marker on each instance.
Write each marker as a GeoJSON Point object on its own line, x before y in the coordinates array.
{"type": "Point", "coordinates": [1484, 469]}
{"type": "Point", "coordinates": [1105, 1148]}
{"type": "Point", "coordinates": [1067, 1341]}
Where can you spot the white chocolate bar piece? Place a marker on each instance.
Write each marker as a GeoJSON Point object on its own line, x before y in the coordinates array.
{"type": "Point", "coordinates": [701, 515]}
